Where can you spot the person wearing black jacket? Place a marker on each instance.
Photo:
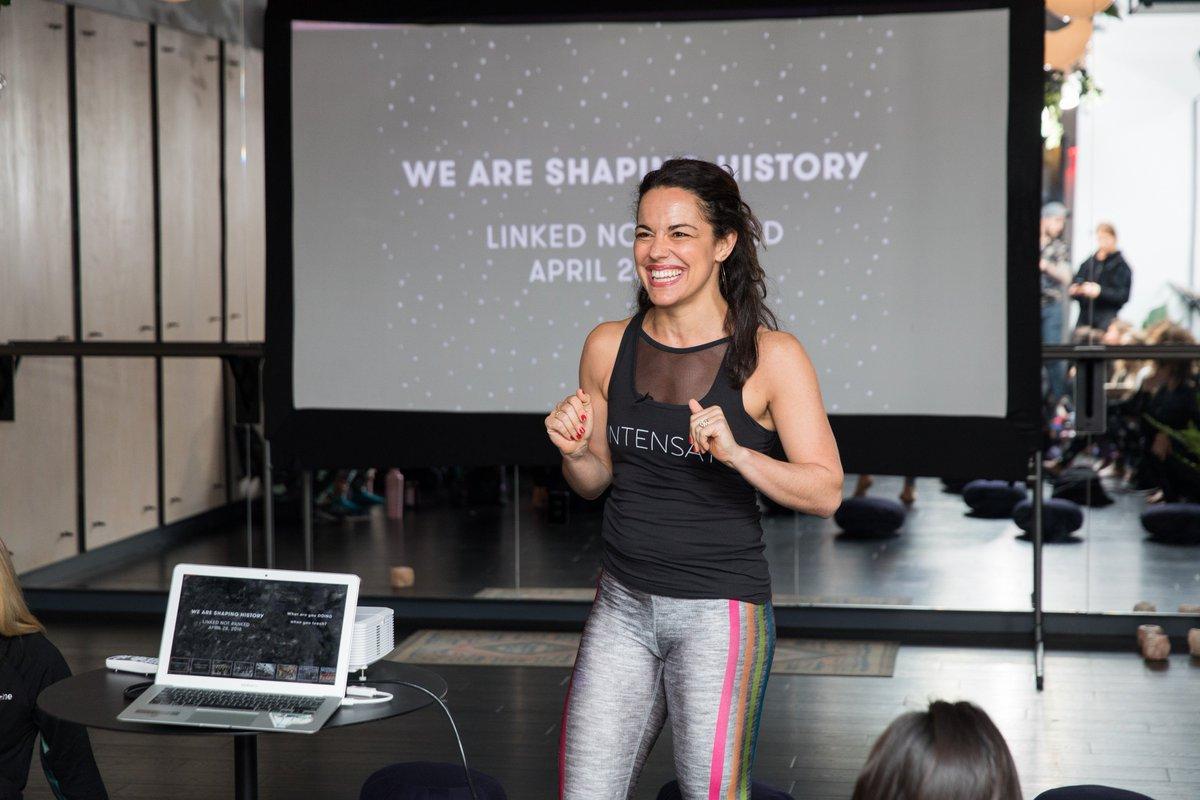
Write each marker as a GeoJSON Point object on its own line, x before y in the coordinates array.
{"type": "Point", "coordinates": [1102, 284]}
{"type": "Point", "coordinates": [29, 663]}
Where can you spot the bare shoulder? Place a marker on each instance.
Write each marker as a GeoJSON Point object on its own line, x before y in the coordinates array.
{"type": "Point", "coordinates": [608, 332]}
{"type": "Point", "coordinates": [600, 351]}
{"type": "Point", "coordinates": [780, 351]}
{"type": "Point", "coordinates": [604, 340]}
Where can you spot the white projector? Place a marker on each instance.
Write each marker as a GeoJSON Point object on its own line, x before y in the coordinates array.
{"type": "Point", "coordinates": [374, 636]}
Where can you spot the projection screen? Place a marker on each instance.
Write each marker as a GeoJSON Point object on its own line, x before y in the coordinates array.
{"type": "Point", "coordinates": [451, 211]}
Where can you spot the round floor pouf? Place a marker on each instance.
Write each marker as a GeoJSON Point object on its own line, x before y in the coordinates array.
{"type": "Point", "coordinates": [1174, 523]}
{"type": "Point", "coordinates": [1060, 518]}
{"type": "Point", "coordinates": [993, 499]}
{"type": "Point", "coordinates": [758, 791]}
{"type": "Point", "coordinates": [426, 780]}
{"type": "Point", "coordinates": [869, 516]}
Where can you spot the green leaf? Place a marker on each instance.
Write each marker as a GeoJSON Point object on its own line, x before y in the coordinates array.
{"type": "Point", "coordinates": [1155, 316]}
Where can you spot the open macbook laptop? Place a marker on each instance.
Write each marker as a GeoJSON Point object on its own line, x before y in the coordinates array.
{"type": "Point", "coordinates": [260, 649]}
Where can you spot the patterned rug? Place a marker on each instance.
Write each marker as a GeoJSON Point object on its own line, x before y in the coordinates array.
{"type": "Point", "coordinates": [585, 594]}
{"type": "Point", "coordinates": [538, 649]}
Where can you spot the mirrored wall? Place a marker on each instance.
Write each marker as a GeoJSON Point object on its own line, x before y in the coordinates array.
{"type": "Point", "coordinates": [115, 469]}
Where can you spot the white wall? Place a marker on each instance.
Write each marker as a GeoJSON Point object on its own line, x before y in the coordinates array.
{"type": "Point", "coordinates": [1134, 162]}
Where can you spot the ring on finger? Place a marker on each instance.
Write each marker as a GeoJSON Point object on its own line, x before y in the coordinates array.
{"type": "Point", "coordinates": [702, 422]}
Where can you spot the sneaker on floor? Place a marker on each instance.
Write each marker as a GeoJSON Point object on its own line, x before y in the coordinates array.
{"type": "Point", "coordinates": [351, 509]}
{"type": "Point", "coordinates": [364, 498]}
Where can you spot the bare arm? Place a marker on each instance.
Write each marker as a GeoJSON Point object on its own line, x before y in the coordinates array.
{"type": "Point", "coordinates": [588, 470]}
{"type": "Point", "coordinates": [811, 479]}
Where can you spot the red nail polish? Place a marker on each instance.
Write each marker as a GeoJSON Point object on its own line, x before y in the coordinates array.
{"type": "Point", "coordinates": [583, 417]}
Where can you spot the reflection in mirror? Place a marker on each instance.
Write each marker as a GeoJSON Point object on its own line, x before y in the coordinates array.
{"type": "Point", "coordinates": [1133, 467]}
{"type": "Point", "coordinates": [1135, 483]}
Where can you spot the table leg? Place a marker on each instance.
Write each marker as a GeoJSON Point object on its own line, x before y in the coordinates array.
{"type": "Point", "coordinates": [245, 767]}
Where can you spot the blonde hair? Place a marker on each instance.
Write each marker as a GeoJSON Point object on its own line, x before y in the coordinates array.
{"type": "Point", "coordinates": [15, 617]}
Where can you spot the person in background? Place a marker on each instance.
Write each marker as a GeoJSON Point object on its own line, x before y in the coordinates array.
{"type": "Point", "coordinates": [908, 494]}
{"type": "Point", "coordinates": [1168, 402]}
{"type": "Point", "coordinates": [1055, 267]}
{"type": "Point", "coordinates": [1101, 286]}
{"type": "Point", "coordinates": [952, 751]}
{"type": "Point", "coordinates": [28, 664]}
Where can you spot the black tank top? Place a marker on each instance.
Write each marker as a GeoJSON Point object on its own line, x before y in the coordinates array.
{"type": "Point", "coordinates": [676, 522]}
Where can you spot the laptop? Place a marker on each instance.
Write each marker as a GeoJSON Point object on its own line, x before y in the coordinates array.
{"type": "Point", "coordinates": [253, 649]}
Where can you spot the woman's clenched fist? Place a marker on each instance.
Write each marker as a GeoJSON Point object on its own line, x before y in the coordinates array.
{"type": "Point", "coordinates": [569, 425]}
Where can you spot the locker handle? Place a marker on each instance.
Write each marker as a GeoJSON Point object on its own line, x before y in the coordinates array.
{"type": "Point", "coordinates": [175, 500]}
{"type": "Point", "coordinates": [233, 62]}
{"type": "Point", "coordinates": [95, 334]}
{"type": "Point", "coordinates": [218, 486]}
{"type": "Point", "coordinates": [210, 57]}
{"type": "Point", "coordinates": [86, 33]}
{"type": "Point", "coordinates": [66, 534]}
{"type": "Point", "coordinates": [143, 328]}
{"type": "Point", "coordinates": [63, 338]}
{"type": "Point", "coordinates": [99, 524]}
{"type": "Point", "coordinates": [215, 319]}
{"type": "Point", "coordinates": [54, 26]}
{"type": "Point", "coordinates": [166, 48]}
{"type": "Point", "coordinates": [235, 315]}
{"type": "Point", "coordinates": [139, 42]}
{"type": "Point", "coordinates": [172, 324]}
{"type": "Point", "coordinates": [148, 508]}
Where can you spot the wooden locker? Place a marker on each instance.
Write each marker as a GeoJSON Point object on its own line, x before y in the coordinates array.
{"type": "Point", "coordinates": [245, 197]}
{"type": "Point", "coordinates": [35, 189]}
{"type": "Point", "coordinates": [120, 449]}
{"type": "Point", "coordinates": [38, 504]}
{"type": "Point", "coordinates": [193, 437]}
{"type": "Point", "coordinates": [189, 169]}
{"type": "Point", "coordinates": [116, 191]}
{"type": "Point", "coordinates": [38, 485]}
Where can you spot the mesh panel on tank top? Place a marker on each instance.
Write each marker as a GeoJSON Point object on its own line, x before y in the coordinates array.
{"type": "Point", "coordinates": [674, 376]}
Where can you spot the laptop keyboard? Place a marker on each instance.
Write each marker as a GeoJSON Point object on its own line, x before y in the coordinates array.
{"type": "Point", "coordinates": [240, 701]}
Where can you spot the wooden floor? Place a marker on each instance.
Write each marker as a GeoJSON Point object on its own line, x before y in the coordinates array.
{"type": "Point", "coordinates": [1103, 718]}
{"type": "Point", "coordinates": [936, 561]}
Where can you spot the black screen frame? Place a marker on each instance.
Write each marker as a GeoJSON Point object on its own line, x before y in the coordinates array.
{"type": "Point", "coordinates": [958, 446]}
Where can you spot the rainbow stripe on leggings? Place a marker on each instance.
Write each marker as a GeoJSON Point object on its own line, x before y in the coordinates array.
{"type": "Point", "coordinates": [751, 649]}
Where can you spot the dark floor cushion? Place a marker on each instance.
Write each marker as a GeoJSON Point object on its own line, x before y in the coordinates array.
{"type": "Point", "coordinates": [1090, 793]}
{"type": "Point", "coordinates": [1081, 485]}
{"type": "Point", "coordinates": [426, 780]}
{"type": "Point", "coordinates": [869, 516]}
{"type": "Point", "coordinates": [993, 499]}
{"type": "Point", "coordinates": [758, 791]}
{"type": "Point", "coordinates": [1060, 518]}
{"type": "Point", "coordinates": [1178, 523]}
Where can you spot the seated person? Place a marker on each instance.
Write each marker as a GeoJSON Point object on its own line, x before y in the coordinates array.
{"type": "Point", "coordinates": [1167, 399]}
{"type": "Point", "coordinates": [952, 751]}
{"type": "Point", "coordinates": [28, 664]}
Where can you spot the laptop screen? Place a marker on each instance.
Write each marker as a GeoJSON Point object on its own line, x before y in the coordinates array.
{"type": "Point", "coordinates": [267, 630]}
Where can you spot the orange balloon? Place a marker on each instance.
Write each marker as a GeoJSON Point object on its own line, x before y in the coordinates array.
{"type": "Point", "coordinates": [1076, 8]}
{"type": "Point", "coordinates": [1065, 46]}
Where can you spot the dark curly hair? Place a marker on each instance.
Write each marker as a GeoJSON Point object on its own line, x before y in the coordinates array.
{"type": "Point", "coordinates": [742, 279]}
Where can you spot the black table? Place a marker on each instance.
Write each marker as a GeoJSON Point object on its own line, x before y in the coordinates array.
{"type": "Point", "coordinates": [95, 698]}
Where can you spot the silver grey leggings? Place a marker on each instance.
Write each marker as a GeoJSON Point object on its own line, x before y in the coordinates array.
{"type": "Point", "coordinates": [645, 658]}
